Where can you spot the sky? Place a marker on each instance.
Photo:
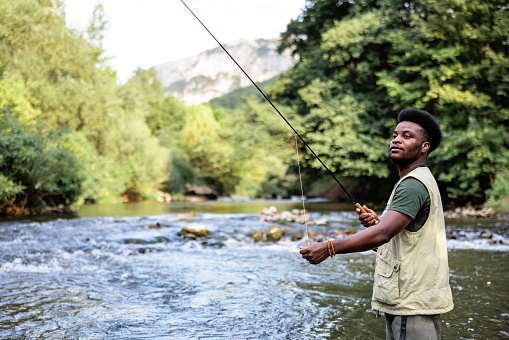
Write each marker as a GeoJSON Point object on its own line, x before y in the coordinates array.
{"type": "Point", "coordinates": [146, 33]}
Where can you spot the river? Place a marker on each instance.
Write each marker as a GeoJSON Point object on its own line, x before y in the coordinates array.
{"type": "Point", "coordinates": [122, 272]}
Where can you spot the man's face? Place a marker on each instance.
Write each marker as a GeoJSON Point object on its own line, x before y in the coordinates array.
{"type": "Point", "coordinates": [407, 143]}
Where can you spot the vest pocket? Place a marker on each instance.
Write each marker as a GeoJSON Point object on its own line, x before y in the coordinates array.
{"type": "Point", "coordinates": [386, 287]}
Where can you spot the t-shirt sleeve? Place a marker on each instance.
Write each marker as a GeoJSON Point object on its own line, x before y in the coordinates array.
{"type": "Point", "coordinates": [410, 197]}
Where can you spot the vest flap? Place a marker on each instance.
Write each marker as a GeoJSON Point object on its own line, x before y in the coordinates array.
{"type": "Point", "coordinates": [387, 263]}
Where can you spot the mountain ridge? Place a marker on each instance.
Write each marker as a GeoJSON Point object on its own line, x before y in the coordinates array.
{"type": "Point", "coordinates": [212, 74]}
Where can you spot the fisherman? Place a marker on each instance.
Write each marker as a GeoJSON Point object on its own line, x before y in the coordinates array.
{"type": "Point", "coordinates": [411, 284]}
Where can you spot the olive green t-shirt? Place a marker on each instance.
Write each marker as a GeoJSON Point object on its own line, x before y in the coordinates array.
{"type": "Point", "coordinates": [412, 199]}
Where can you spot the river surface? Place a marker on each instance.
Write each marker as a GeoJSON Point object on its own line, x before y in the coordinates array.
{"type": "Point", "coordinates": [123, 272]}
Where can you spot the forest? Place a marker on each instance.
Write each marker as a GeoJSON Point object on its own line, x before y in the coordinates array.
{"type": "Point", "coordinates": [71, 134]}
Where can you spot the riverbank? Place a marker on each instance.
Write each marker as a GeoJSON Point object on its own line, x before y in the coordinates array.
{"type": "Point", "coordinates": [243, 205]}
{"type": "Point", "coordinates": [470, 212]}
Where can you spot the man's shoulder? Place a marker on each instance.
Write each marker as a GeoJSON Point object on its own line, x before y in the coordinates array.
{"type": "Point", "coordinates": [413, 185]}
{"type": "Point", "coordinates": [423, 174]}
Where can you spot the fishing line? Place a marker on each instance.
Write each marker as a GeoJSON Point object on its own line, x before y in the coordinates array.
{"type": "Point", "coordinates": [301, 189]}
{"type": "Point", "coordinates": [275, 108]}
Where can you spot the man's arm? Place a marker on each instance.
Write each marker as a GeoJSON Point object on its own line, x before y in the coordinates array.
{"type": "Point", "coordinates": [392, 223]}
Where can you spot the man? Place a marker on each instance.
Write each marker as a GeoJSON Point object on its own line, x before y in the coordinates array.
{"type": "Point", "coordinates": [412, 273]}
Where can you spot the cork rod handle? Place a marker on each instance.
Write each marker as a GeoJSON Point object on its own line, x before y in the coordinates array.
{"type": "Point", "coordinates": [360, 207]}
{"type": "Point", "coordinates": [363, 211]}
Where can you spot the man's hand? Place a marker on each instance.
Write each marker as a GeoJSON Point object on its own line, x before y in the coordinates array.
{"type": "Point", "coordinates": [367, 219]}
{"type": "Point", "coordinates": [315, 252]}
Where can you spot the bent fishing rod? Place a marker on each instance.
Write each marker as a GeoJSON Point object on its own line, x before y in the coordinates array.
{"type": "Point", "coordinates": [276, 109]}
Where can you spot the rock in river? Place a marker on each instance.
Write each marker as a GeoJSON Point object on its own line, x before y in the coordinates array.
{"type": "Point", "coordinates": [194, 231]}
{"type": "Point", "coordinates": [275, 233]}
{"type": "Point", "coordinates": [272, 215]}
{"type": "Point", "coordinates": [258, 236]}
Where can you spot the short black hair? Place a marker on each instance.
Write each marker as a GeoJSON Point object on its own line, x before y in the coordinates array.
{"type": "Point", "coordinates": [427, 122]}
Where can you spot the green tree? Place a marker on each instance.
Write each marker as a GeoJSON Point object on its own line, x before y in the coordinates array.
{"type": "Point", "coordinates": [260, 139]}
{"type": "Point", "coordinates": [57, 80]}
{"type": "Point", "coordinates": [166, 118]}
{"type": "Point", "coordinates": [35, 173]}
{"type": "Point", "coordinates": [8, 190]}
{"type": "Point", "coordinates": [209, 154]}
{"type": "Point", "coordinates": [452, 59]}
{"type": "Point", "coordinates": [359, 67]}
{"type": "Point", "coordinates": [138, 151]}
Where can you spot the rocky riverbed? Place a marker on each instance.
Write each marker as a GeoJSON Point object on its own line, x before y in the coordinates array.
{"type": "Point", "coordinates": [291, 225]}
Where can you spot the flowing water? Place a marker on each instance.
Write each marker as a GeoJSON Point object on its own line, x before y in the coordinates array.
{"type": "Point", "coordinates": [123, 272]}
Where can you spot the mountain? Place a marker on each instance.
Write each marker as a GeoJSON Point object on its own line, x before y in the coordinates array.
{"type": "Point", "coordinates": [238, 97]}
{"type": "Point", "coordinates": [212, 74]}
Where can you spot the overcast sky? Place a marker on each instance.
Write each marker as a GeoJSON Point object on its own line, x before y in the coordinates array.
{"type": "Point", "coordinates": [145, 33]}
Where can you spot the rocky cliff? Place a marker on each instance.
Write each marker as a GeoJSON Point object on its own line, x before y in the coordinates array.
{"type": "Point", "coordinates": [212, 73]}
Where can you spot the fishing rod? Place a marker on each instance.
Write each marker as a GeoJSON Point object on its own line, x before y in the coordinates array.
{"type": "Point", "coordinates": [275, 108]}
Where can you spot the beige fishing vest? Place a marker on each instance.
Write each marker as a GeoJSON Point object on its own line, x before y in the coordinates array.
{"type": "Point", "coordinates": [412, 270]}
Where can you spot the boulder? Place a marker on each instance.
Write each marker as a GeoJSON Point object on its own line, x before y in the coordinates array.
{"type": "Point", "coordinates": [161, 239]}
{"type": "Point", "coordinates": [194, 231]}
{"type": "Point", "coordinates": [297, 235]}
{"type": "Point", "coordinates": [485, 234]}
{"type": "Point", "coordinates": [312, 234]}
{"type": "Point", "coordinates": [258, 236]}
{"type": "Point", "coordinates": [321, 221]}
{"type": "Point", "coordinates": [274, 234]}
{"type": "Point", "coordinates": [135, 241]}
{"type": "Point", "coordinates": [300, 216]}
{"type": "Point", "coordinates": [200, 193]}
{"type": "Point", "coordinates": [155, 226]}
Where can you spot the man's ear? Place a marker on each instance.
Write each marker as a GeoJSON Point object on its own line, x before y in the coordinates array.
{"type": "Point", "coordinates": [425, 147]}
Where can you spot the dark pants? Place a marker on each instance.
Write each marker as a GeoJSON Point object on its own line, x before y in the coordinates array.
{"type": "Point", "coordinates": [412, 327]}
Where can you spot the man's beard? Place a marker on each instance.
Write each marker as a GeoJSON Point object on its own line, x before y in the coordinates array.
{"type": "Point", "coordinates": [409, 157]}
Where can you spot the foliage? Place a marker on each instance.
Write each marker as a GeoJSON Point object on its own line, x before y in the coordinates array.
{"type": "Point", "coordinates": [37, 172]}
{"type": "Point", "coordinates": [127, 138]}
{"type": "Point", "coordinates": [234, 152]}
{"type": "Point", "coordinates": [261, 148]}
{"type": "Point", "coordinates": [362, 62]}
{"type": "Point", "coordinates": [499, 193]}
{"type": "Point", "coordinates": [182, 174]}
{"type": "Point", "coordinates": [8, 190]}
{"type": "Point", "coordinates": [56, 80]}
{"type": "Point", "coordinates": [240, 96]}
{"type": "Point", "coordinates": [453, 61]}
{"type": "Point", "coordinates": [71, 133]}
{"type": "Point", "coordinates": [103, 181]}
{"type": "Point", "coordinates": [14, 94]}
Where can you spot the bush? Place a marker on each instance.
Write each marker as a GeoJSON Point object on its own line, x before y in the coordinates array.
{"type": "Point", "coordinates": [35, 174]}
{"type": "Point", "coordinates": [499, 193]}
{"type": "Point", "coordinates": [181, 173]}
{"type": "Point", "coordinates": [8, 189]}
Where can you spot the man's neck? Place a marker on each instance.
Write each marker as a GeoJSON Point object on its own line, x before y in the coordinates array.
{"type": "Point", "coordinates": [403, 170]}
